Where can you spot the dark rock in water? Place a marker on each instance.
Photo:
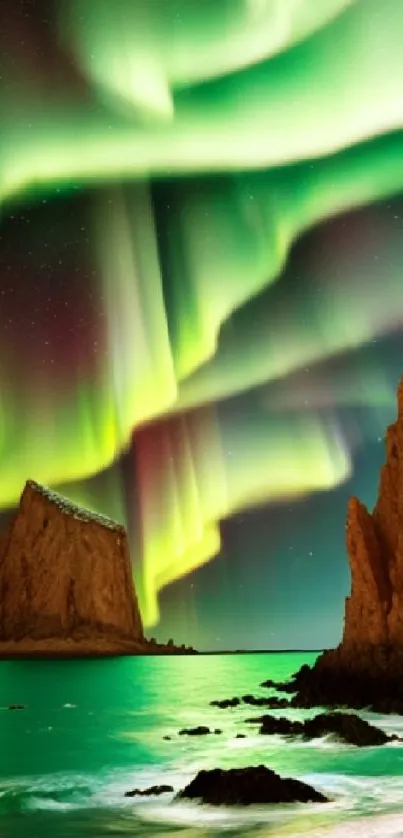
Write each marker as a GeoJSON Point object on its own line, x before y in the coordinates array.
{"type": "Point", "coordinates": [260, 701]}
{"type": "Point", "coordinates": [226, 702]}
{"type": "Point", "coordinates": [167, 737]}
{"type": "Point", "coordinates": [149, 791]}
{"type": "Point", "coordinates": [276, 703]}
{"type": "Point", "coordinates": [348, 727]}
{"type": "Point", "coordinates": [280, 686]}
{"type": "Point", "coordinates": [217, 730]}
{"type": "Point", "coordinates": [273, 701]}
{"type": "Point", "coordinates": [366, 670]}
{"type": "Point", "coordinates": [17, 707]}
{"type": "Point", "coordinates": [201, 730]}
{"type": "Point", "coordinates": [374, 681]}
{"type": "Point", "coordinates": [246, 786]}
{"type": "Point", "coordinates": [251, 699]}
{"type": "Point", "coordinates": [290, 686]}
{"type": "Point", "coordinates": [240, 736]}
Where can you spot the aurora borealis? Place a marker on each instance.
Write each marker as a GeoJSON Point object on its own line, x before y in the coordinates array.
{"type": "Point", "coordinates": [201, 305]}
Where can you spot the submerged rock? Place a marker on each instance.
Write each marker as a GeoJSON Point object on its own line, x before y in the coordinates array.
{"type": "Point", "coordinates": [348, 727]}
{"type": "Point", "coordinates": [246, 786]}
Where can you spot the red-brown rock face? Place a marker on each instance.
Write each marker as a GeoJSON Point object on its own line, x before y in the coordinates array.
{"type": "Point", "coordinates": [65, 580]}
{"type": "Point", "coordinates": [374, 610]}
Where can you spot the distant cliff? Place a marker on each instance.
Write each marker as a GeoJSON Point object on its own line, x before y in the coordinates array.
{"type": "Point", "coordinates": [65, 581]}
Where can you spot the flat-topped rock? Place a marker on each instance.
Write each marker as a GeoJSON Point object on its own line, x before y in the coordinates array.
{"type": "Point", "coordinates": [66, 584]}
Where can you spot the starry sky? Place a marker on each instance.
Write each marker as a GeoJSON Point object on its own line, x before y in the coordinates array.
{"type": "Point", "coordinates": [201, 250]}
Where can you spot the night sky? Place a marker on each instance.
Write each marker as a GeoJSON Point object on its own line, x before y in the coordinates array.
{"type": "Point", "coordinates": [201, 300]}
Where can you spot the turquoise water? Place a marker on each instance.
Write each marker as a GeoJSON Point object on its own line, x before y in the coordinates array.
{"type": "Point", "coordinates": [92, 730]}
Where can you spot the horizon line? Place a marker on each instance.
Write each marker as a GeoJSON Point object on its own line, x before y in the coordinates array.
{"type": "Point", "coordinates": [253, 651]}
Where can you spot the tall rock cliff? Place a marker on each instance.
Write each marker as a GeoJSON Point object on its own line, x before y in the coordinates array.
{"type": "Point", "coordinates": [366, 669]}
{"type": "Point", "coordinates": [374, 609]}
{"type": "Point", "coordinates": [65, 581]}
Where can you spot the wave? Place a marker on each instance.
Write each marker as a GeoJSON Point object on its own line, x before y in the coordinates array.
{"type": "Point", "coordinates": [382, 826]}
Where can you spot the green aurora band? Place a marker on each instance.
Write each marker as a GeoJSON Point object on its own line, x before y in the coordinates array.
{"type": "Point", "coordinates": [262, 137]}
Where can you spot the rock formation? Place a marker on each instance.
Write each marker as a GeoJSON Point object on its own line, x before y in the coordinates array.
{"type": "Point", "coordinates": [151, 790]}
{"type": "Point", "coordinates": [66, 586]}
{"type": "Point", "coordinates": [65, 579]}
{"type": "Point", "coordinates": [248, 786]}
{"type": "Point", "coordinates": [347, 727]}
{"type": "Point", "coordinates": [367, 667]}
{"type": "Point", "coordinates": [374, 609]}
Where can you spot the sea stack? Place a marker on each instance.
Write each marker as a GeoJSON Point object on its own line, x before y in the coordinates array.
{"type": "Point", "coordinates": [374, 609]}
{"type": "Point", "coordinates": [367, 667]}
{"type": "Point", "coordinates": [66, 586]}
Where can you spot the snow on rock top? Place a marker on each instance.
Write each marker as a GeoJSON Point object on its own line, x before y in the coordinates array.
{"type": "Point", "coordinates": [70, 508]}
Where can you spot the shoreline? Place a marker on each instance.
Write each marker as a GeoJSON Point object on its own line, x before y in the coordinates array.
{"type": "Point", "coordinates": [95, 648]}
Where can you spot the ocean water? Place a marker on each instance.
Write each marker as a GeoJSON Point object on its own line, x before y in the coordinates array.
{"type": "Point", "coordinates": [92, 730]}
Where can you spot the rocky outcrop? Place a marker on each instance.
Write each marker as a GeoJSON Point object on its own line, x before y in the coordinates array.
{"type": "Point", "coordinates": [246, 786]}
{"type": "Point", "coordinates": [374, 610]}
{"type": "Point", "coordinates": [368, 605]}
{"type": "Point", "coordinates": [66, 586]}
{"type": "Point", "coordinates": [367, 667]}
{"type": "Point", "coordinates": [346, 727]}
{"type": "Point", "coordinates": [151, 790]}
{"type": "Point", "coordinates": [274, 702]}
{"type": "Point", "coordinates": [201, 730]}
{"type": "Point", "coordinates": [152, 647]}
{"type": "Point", "coordinates": [65, 580]}
{"type": "Point", "coordinates": [224, 703]}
